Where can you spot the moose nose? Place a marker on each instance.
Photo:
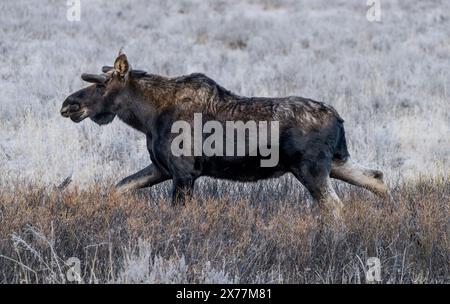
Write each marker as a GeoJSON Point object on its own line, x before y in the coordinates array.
{"type": "Point", "coordinates": [66, 110]}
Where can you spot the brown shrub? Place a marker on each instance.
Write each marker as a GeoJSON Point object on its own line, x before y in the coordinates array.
{"type": "Point", "coordinates": [133, 238]}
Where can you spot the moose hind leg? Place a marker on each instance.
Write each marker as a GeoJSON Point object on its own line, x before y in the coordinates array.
{"type": "Point", "coordinates": [352, 173]}
{"type": "Point", "coordinates": [315, 177]}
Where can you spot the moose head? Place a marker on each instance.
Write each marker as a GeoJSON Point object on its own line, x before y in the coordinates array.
{"type": "Point", "coordinates": [98, 101]}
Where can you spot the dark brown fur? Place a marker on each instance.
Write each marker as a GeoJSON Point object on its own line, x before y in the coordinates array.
{"type": "Point", "coordinates": [312, 138]}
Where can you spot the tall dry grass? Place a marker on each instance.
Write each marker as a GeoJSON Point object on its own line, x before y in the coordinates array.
{"type": "Point", "coordinates": [141, 238]}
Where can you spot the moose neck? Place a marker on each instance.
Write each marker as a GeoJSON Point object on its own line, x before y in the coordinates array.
{"type": "Point", "coordinates": [141, 102]}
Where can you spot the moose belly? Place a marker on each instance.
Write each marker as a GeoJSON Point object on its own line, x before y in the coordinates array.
{"type": "Point", "coordinates": [244, 169]}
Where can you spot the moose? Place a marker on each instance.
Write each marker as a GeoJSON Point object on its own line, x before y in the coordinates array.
{"type": "Point", "coordinates": [312, 144]}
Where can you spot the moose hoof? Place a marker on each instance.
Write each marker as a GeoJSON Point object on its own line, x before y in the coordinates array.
{"type": "Point", "coordinates": [122, 188]}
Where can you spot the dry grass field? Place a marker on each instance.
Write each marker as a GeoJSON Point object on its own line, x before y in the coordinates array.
{"type": "Point", "coordinates": [130, 239]}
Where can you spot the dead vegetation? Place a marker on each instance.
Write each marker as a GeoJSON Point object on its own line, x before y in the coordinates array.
{"type": "Point", "coordinates": [231, 239]}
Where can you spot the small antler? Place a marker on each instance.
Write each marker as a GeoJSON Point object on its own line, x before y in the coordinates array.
{"type": "Point", "coordinates": [94, 78]}
{"type": "Point", "coordinates": [106, 69]}
{"type": "Point", "coordinates": [138, 73]}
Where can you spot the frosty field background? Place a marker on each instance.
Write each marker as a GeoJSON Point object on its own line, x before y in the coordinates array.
{"type": "Point", "coordinates": [389, 80]}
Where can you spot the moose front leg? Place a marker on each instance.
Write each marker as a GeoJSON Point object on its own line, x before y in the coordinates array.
{"type": "Point", "coordinates": [182, 190]}
{"type": "Point", "coordinates": [147, 177]}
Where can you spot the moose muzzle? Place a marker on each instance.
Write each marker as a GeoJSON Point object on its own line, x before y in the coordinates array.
{"type": "Point", "coordinates": [69, 108]}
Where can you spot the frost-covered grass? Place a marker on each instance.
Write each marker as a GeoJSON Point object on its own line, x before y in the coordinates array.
{"type": "Point", "coordinates": [389, 80]}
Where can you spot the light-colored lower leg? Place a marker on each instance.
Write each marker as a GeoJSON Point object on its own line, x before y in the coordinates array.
{"type": "Point", "coordinates": [132, 184]}
{"type": "Point", "coordinates": [331, 200]}
{"type": "Point", "coordinates": [145, 178]}
{"type": "Point", "coordinates": [357, 175]}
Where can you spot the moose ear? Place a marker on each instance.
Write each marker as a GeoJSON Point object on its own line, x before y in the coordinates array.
{"type": "Point", "coordinates": [121, 65]}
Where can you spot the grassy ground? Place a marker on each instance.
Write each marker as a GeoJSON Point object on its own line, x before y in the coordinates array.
{"type": "Point", "coordinates": [136, 239]}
